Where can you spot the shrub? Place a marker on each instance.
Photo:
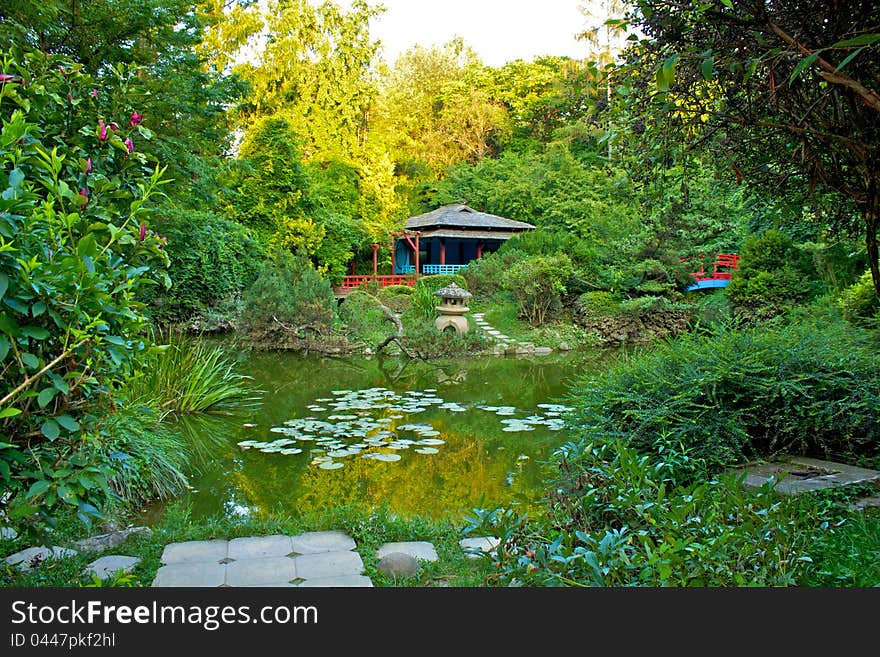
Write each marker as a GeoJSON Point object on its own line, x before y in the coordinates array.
{"type": "Point", "coordinates": [439, 281]}
{"type": "Point", "coordinates": [289, 296]}
{"type": "Point", "coordinates": [703, 402]}
{"type": "Point", "coordinates": [364, 320]}
{"type": "Point", "coordinates": [485, 277]}
{"type": "Point", "coordinates": [612, 521]}
{"type": "Point", "coordinates": [73, 266]}
{"type": "Point", "coordinates": [537, 284]}
{"type": "Point", "coordinates": [859, 303]}
{"type": "Point", "coordinates": [774, 275]}
{"type": "Point", "coordinates": [213, 260]}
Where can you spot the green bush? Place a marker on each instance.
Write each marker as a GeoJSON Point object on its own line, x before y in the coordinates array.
{"type": "Point", "coordinates": [426, 342]}
{"type": "Point", "coordinates": [703, 402]}
{"type": "Point", "coordinates": [76, 255]}
{"type": "Point", "coordinates": [485, 277]}
{"type": "Point", "coordinates": [289, 296]}
{"type": "Point", "coordinates": [613, 521]}
{"type": "Point", "coordinates": [537, 284]}
{"type": "Point", "coordinates": [438, 281]}
{"type": "Point", "coordinates": [597, 304]}
{"type": "Point", "coordinates": [364, 321]}
{"type": "Point", "coordinates": [213, 260]}
{"type": "Point", "coordinates": [859, 303]}
{"type": "Point", "coordinates": [774, 276]}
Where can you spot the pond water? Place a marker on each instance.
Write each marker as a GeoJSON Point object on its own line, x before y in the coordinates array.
{"type": "Point", "coordinates": [431, 439]}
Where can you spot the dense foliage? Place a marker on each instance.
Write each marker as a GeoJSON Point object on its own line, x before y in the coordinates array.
{"type": "Point", "coordinates": [703, 402]}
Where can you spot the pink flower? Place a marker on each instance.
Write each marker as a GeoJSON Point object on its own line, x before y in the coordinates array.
{"type": "Point", "coordinates": [113, 126]}
{"type": "Point", "coordinates": [135, 119]}
{"type": "Point", "coordinates": [85, 194]}
{"type": "Point", "coordinates": [102, 134]}
{"type": "Point", "coordinates": [143, 231]}
{"type": "Point", "coordinates": [94, 93]}
{"type": "Point", "coordinates": [129, 145]}
{"type": "Point", "coordinates": [5, 77]}
{"type": "Point", "coordinates": [88, 165]}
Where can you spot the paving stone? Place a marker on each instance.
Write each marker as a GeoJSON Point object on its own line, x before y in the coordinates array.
{"type": "Point", "coordinates": [473, 546]}
{"type": "Point", "coordinates": [111, 539]}
{"type": "Point", "coordinates": [806, 474]}
{"type": "Point", "coordinates": [494, 332]}
{"type": "Point", "coordinates": [195, 552]}
{"type": "Point", "coordinates": [419, 549]}
{"type": "Point", "coordinates": [865, 503]}
{"type": "Point", "coordinates": [349, 581]}
{"type": "Point", "coordinates": [258, 547]}
{"type": "Point", "coordinates": [543, 351]}
{"type": "Point", "coordinates": [106, 566]}
{"type": "Point", "coordinates": [260, 572]}
{"type": "Point", "coordinates": [200, 574]}
{"type": "Point", "coordinates": [8, 533]}
{"type": "Point", "coordinates": [27, 558]}
{"type": "Point", "coordinates": [328, 564]}
{"type": "Point", "coordinates": [398, 564]}
{"type": "Point", "coordinates": [317, 542]}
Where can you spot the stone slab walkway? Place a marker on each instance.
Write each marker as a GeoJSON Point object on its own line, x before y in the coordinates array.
{"type": "Point", "coordinates": [310, 559]}
{"type": "Point", "coordinates": [505, 345]}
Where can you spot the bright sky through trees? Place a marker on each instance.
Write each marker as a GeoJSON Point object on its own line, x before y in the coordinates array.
{"type": "Point", "coordinates": [499, 30]}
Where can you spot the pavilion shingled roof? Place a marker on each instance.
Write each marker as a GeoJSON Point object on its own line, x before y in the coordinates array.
{"type": "Point", "coordinates": [461, 216]}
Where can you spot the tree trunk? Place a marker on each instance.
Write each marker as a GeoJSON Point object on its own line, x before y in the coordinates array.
{"type": "Point", "coordinates": [872, 218]}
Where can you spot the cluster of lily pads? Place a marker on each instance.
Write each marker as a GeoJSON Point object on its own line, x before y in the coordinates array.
{"type": "Point", "coordinates": [352, 430]}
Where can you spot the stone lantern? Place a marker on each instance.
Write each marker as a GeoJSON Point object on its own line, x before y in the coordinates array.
{"type": "Point", "coordinates": [452, 309]}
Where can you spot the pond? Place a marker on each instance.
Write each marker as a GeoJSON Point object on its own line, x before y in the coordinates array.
{"type": "Point", "coordinates": [424, 438]}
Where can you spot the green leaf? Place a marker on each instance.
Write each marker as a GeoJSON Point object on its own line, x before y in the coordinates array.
{"type": "Point", "coordinates": [85, 482]}
{"type": "Point", "coordinates": [848, 59]}
{"type": "Point", "coordinates": [16, 177]}
{"type": "Point", "coordinates": [707, 67]}
{"type": "Point", "coordinates": [801, 65]}
{"type": "Point", "coordinates": [87, 246]}
{"type": "Point", "coordinates": [46, 395]}
{"type": "Point", "coordinates": [9, 412]}
{"type": "Point", "coordinates": [861, 40]}
{"type": "Point", "coordinates": [5, 345]}
{"type": "Point", "coordinates": [67, 422]}
{"type": "Point", "coordinates": [38, 488]}
{"type": "Point", "coordinates": [30, 360]}
{"type": "Point", "coordinates": [4, 470]}
{"type": "Point", "coordinates": [50, 429]}
{"type": "Point", "coordinates": [38, 308]}
{"type": "Point", "coordinates": [4, 284]}
{"type": "Point", "coordinates": [666, 73]}
{"type": "Point", "coordinates": [727, 3]}
{"type": "Point", "coordinates": [35, 332]}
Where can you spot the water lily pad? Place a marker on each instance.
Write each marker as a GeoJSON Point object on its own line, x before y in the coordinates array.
{"type": "Point", "coordinates": [431, 441]}
{"type": "Point", "coordinates": [427, 450]}
{"type": "Point", "coordinates": [290, 451]}
{"type": "Point", "coordinates": [331, 465]}
{"type": "Point", "coordinates": [387, 457]}
{"type": "Point", "coordinates": [342, 417]}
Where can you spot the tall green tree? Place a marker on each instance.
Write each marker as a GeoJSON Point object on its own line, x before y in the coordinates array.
{"type": "Point", "coordinates": [787, 94]}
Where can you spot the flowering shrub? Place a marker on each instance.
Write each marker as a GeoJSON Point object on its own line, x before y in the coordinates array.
{"type": "Point", "coordinates": [75, 252]}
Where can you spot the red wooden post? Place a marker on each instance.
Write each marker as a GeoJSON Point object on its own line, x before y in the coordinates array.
{"type": "Point", "coordinates": [375, 259]}
{"type": "Point", "coordinates": [417, 255]}
{"type": "Point", "coordinates": [442, 250]}
{"type": "Point", "coordinates": [393, 265]}
{"type": "Point", "coordinates": [479, 250]}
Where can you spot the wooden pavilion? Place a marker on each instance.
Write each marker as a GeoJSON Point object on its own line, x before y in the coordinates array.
{"type": "Point", "coordinates": [446, 239]}
{"type": "Point", "coordinates": [442, 241]}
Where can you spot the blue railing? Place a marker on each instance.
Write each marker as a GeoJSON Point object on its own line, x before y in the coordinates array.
{"type": "Point", "coordinates": [442, 269]}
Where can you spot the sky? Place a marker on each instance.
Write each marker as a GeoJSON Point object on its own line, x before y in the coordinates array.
{"type": "Point", "coordinates": [498, 30]}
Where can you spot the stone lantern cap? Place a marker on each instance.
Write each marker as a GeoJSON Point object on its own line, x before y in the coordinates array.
{"type": "Point", "coordinates": [452, 291]}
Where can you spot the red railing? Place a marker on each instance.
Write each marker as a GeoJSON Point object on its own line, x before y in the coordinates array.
{"type": "Point", "coordinates": [723, 261]}
{"type": "Point", "coordinates": [351, 282]}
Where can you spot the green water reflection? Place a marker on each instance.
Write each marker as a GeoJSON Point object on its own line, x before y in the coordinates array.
{"type": "Point", "coordinates": [478, 464]}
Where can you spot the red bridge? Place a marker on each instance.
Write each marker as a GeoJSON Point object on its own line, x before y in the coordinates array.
{"type": "Point", "coordinates": [719, 276]}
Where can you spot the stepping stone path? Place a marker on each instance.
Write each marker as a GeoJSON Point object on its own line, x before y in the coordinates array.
{"type": "Point", "coordinates": [506, 345]}
{"type": "Point", "coordinates": [32, 556]}
{"type": "Point", "coordinates": [312, 559]}
{"type": "Point", "coordinates": [106, 567]}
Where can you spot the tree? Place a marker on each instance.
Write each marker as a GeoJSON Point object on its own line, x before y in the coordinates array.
{"type": "Point", "coordinates": [785, 93]}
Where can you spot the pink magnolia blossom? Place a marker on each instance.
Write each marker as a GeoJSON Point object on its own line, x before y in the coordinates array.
{"type": "Point", "coordinates": [102, 134]}
{"type": "Point", "coordinates": [85, 194]}
{"type": "Point", "coordinates": [88, 165]}
{"type": "Point", "coordinates": [143, 231]}
{"type": "Point", "coordinates": [5, 77]}
{"type": "Point", "coordinates": [94, 93]}
{"type": "Point", "coordinates": [135, 119]}
{"type": "Point", "coordinates": [129, 145]}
